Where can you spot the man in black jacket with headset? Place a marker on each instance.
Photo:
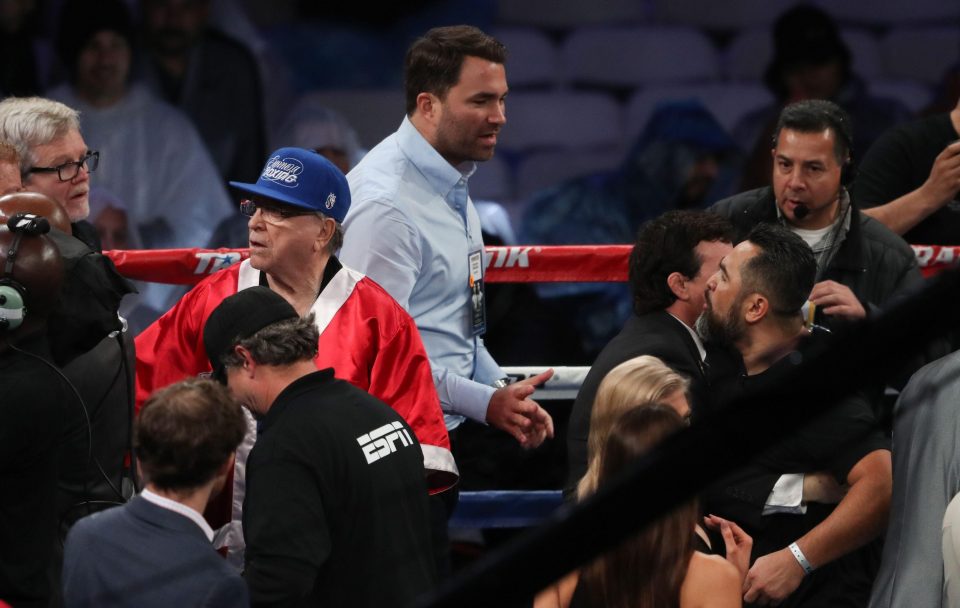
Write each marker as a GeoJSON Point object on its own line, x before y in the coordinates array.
{"type": "Point", "coordinates": [860, 263]}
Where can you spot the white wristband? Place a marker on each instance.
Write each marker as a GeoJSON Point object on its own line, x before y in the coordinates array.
{"type": "Point", "coordinates": [801, 558]}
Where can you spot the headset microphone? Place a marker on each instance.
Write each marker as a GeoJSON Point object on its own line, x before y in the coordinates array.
{"type": "Point", "coordinates": [29, 224]}
{"type": "Point", "coordinates": [13, 306]}
{"type": "Point", "coordinates": [801, 211]}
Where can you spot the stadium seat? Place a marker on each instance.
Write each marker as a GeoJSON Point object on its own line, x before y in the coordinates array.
{"type": "Point", "coordinates": [627, 57]}
{"type": "Point", "coordinates": [713, 15]}
{"type": "Point", "coordinates": [565, 14]}
{"type": "Point", "coordinates": [534, 59]}
{"type": "Point", "coordinates": [865, 52]}
{"type": "Point", "coordinates": [537, 120]}
{"type": "Point", "coordinates": [747, 55]}
{"type": "Point", "coordinates": [921, 53]}
{"type": "Point", "coordinates": [892, 12]}
{"type": "Point", "coordinates": [544, 169]}
{"type": "Point", "coordinates": [727, 102]}
{"type": "Point", "coordinates": [915, 95]}
{"type": "Point", "coordinates": [493, 181]}
{"type": "Point", "coordinates": [374, 113]}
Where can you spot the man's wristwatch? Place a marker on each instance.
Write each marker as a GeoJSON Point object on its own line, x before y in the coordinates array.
{"type": "Point", "coordinates": [500, 383]}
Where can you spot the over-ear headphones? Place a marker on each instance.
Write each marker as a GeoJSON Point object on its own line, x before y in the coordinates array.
{"type": "Point", "coordinates": [13, 295]}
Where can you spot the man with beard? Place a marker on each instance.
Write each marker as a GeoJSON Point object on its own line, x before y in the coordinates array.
{"type": "Point", "coordinates": [817, 555]}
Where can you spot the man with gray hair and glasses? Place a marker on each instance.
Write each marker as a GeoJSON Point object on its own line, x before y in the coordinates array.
{"type": "Point", "coordinates": [54, 158]}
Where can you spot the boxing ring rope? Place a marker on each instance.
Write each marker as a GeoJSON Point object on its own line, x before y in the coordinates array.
{"type": "Point", "coordinates": [517, 264]}
{"type": "Point", "coordinates": [524, 264]}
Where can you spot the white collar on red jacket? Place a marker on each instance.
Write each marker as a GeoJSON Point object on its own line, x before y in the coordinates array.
{"type": "Point", "coordinates": [333, 296]}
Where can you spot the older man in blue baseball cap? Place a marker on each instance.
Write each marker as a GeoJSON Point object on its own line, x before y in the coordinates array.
{"type": "Point", "coordinates": [295, 210]}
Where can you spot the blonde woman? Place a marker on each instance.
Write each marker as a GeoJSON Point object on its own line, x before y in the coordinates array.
{"type": "Point", "coordinates": [640, 380]}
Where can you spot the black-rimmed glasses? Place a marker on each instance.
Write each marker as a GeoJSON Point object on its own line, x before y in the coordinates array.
{"type": "Point", "coordinates": [71, 169]}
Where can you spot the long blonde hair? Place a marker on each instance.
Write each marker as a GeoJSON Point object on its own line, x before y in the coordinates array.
{"type": "Point", "coordinates": [639, 380]}
{"type": "Point", "coordinates": [648, 568]}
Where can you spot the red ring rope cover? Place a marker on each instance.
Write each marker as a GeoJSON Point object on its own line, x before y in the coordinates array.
{"type": "Point", "coordinates": [519, 264]}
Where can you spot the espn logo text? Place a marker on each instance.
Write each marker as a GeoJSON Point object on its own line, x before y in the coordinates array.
{"type": "Point", "coordinates": [382, 442]}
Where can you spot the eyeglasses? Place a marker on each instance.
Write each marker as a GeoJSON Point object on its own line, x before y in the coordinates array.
{"type": "Point", "coordinates": [70, 170]}
{"type": "Point", "coordinates": [271, 213]}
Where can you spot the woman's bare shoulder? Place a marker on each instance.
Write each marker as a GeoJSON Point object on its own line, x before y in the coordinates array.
{"type": "Point", "coordinates": [710, 581]}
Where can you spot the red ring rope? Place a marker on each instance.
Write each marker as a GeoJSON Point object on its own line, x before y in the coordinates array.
{"type": "Point", "coordinates": [520, 264]}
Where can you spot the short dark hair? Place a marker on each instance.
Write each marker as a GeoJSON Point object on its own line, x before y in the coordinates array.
{"type": "Point", "coordinates": [666, 245]}
{"type": "Point", "coordinates": [281, 343]}
{"type": "Point", "coordinates": [434, 60]}
{"type": "Point", "coordinates": [185, 432]}
{"type": "Point", "coordinates": [814, 116]}
{"type": "Point", "coordinates": [784, 270]}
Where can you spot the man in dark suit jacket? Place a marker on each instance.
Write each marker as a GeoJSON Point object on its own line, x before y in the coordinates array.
{"type": "Point", "coordinates": [156, 550]}
{"type": "Point", "coordinates": [671, 261]}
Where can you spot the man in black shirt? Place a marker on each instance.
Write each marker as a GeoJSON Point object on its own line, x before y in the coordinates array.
{"type": "Point", "coordinates": [910, 178]}
{"type": "Point", "coordinates": [807, 557]}
{"type": "Point", "coordinates": [336, 510]}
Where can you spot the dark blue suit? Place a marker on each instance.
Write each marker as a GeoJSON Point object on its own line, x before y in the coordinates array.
{"type": "Point", "coordinates": [143, 555]}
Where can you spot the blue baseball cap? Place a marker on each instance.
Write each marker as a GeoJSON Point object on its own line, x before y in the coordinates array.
{"type": "Point", "coordinates": [302, 178]}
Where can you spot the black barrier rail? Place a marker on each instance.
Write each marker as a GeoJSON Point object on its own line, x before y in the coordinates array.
{"type": "Point", "coordinates": [722, 441]}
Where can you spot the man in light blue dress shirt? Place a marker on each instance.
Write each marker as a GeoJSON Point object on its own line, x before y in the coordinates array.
{"type": "Point", "coordinates": [414, 230]}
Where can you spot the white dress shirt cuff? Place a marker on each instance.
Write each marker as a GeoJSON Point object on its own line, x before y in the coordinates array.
{"type": "Point", "coordinates": [786, 496]}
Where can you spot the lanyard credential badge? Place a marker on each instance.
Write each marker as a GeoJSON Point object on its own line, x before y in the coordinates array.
{"type": "Point", "coordinates": [478, 307]}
